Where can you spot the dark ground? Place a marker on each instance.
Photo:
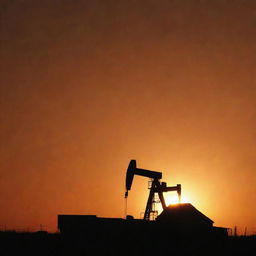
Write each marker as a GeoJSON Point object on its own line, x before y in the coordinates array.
{"type": "Point", "coordinates": [42, 243]}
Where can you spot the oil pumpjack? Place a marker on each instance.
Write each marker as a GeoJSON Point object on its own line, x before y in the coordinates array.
{"type": "Point", "coordinates": [156, 187]}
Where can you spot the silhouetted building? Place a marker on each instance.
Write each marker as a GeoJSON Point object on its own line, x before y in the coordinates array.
{"type": "Point", "coordinates": [180, 219]}
{"type": "Point", "coordinates": [184, 218]}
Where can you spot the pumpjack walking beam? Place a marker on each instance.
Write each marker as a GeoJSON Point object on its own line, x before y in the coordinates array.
{"type": "Point", "coordinates": [132, 170]}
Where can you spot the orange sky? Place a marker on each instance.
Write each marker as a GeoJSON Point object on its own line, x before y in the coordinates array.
{"type": "Point", "coordinates": [85, 86]}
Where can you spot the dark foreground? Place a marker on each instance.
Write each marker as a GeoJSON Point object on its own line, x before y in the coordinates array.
{"type": "Point", "coordinates": [42, 243]}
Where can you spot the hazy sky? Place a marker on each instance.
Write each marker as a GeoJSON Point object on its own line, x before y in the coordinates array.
{"type": "Point", "coordinates": [85, 86]}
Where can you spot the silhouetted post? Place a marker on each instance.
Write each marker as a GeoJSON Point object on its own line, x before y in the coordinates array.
{"type": "Point", "coordinates": [245, 231]}
{"type": "Point", "coordinates": [235, 231]}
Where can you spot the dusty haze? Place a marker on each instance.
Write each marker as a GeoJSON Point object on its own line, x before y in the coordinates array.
{"type": "Point", "coordinates": [88, 85]}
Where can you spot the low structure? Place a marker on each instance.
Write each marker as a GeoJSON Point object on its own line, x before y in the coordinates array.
{"type": "Point", "coordinates": [180, 219]}
{"type": "Point", "coordinates": [184, 217]}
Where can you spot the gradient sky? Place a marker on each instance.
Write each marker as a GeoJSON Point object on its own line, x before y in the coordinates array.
{"type": "Point", "coordinates": [85, 86]}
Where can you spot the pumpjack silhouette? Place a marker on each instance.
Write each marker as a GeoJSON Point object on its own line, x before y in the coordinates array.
{"type": "Point", "coordinates": [156, 187]}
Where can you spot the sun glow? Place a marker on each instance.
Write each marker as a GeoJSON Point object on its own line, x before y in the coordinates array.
{"type": "Point", "coordinates": [174, 199]}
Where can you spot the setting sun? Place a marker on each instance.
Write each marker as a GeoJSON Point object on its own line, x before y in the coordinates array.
{"type": "Point", "coordinates": [174, 199]}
